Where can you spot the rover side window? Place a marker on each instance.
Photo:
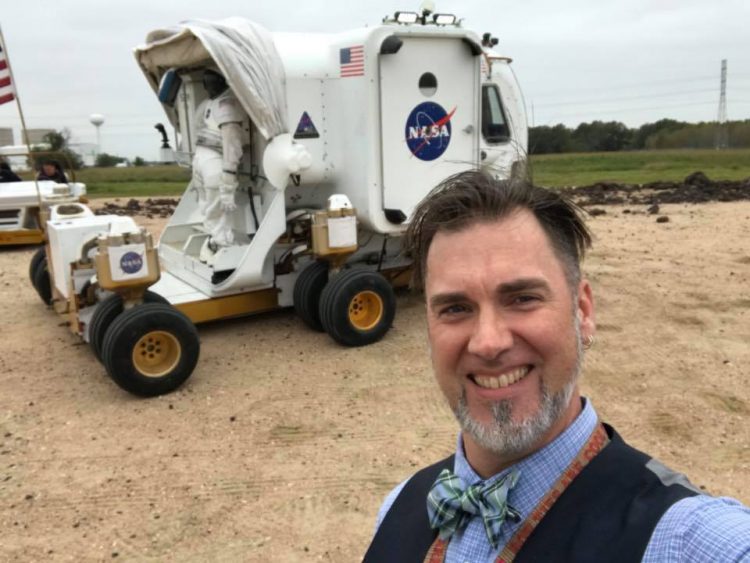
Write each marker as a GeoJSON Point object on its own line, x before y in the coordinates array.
{"type": "Point", "coordinates": [494, 125]}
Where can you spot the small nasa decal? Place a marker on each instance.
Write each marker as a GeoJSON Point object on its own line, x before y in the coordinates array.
{"type": "Point", "coordinates": [131, 262]}
{"type": "Point", "coordinates": [428, 130]}
{"type": "Point", "coordinates": [306, 128]}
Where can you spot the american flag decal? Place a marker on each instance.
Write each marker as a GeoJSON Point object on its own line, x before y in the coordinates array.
{"type": "Point", "coordinates": [6, 88]}
{"type": "Point", "coordinates": [352, 61]}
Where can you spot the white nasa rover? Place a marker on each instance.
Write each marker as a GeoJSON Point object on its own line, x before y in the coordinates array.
{"type": "Point", "coordinates": [346, 134]}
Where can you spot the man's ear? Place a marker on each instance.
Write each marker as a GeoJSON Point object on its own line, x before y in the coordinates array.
{"type": "Point", "coordinates": [585, 309]}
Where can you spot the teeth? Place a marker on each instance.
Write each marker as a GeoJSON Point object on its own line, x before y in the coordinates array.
{"type": "Point", "coordinates": [503, 380]}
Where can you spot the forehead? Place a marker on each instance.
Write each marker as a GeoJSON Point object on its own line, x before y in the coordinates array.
{"type": "Point", "coordinates": [494, 251]}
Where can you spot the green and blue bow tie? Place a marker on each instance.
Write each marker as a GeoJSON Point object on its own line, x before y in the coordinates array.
{"type": "Point", "coordinates": [451, 504]}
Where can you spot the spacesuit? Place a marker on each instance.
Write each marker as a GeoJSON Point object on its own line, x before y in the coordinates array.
{"type": "Point", "coordinates": [217, 155]}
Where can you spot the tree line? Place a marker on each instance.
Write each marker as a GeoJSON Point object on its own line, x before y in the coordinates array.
{"type": "Point", "coordinates": [616, 136]}
{"type": "Point", "coordinates": [57, 147]}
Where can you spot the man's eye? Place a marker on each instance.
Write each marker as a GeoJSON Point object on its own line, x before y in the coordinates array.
{"type": "Point", "coordinates": [453, 310]}
{"type": "Point", "coordinates": [525, 299]}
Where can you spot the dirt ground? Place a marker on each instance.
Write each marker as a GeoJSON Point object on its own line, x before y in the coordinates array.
{"type": "Point", "coordinates": [282, 444]}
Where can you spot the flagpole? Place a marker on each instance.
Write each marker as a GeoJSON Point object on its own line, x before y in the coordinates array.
{"type": "Point", "coordinates": [23, 120]}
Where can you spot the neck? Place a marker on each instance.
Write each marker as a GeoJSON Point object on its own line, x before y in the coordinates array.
{"type": "Point", "coordinates": [487, 463]}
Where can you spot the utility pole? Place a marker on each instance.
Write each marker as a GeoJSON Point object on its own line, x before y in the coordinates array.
{"type": "Point", "coordinates": [722, 131]}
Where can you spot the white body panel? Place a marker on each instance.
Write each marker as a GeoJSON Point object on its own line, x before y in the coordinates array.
{"type": "Point", "coordinates": [67, 236]}
{"type": "Point", "coordinates": [427, 134]}
{"type": "Point", "coordinates": [500, 156]}
{"type": "Point", "coordinates": [176, 291]}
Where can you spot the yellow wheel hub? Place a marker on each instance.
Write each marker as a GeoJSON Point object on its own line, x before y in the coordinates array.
{"type": "Point", "coordinates": [365, 310]}
{"type": "Point", "coordinates": [156, 353]}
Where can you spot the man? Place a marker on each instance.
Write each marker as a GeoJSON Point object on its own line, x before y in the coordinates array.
{"type": "Point", "coordinates": [536, 476]}
{"type": "Point", "coordinates": [52, 170]}
{"type": "Point", "coordinates": [216, 160]}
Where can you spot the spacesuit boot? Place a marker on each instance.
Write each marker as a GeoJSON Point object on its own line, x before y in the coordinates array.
{"type": "Point", "coordinates": [208, 252]}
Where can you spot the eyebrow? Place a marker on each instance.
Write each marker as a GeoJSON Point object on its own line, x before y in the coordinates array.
{"type": "Point", "coordinates": [508, 288]}
{"type": "Point", "coordinates": [447, 298]}
{"type": "Point", "coordinates": [523, 284]}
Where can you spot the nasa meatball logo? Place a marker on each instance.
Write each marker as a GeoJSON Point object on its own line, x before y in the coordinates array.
{"type": "Point", "coordinates": [428, 130]}
{"type": "Point", "coordinates": [131, 262]}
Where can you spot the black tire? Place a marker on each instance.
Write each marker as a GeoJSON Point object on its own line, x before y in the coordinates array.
{"type": "Point", "coordinates": [357, 307]}
{"type": "Point", "coordinates": [106, 312]}
{"type": "Point", "coordinates": [307, 291]}
{"type": "Point", "coordinates": [42, 282]}
{"type": "Point", "coordinates": [151, 349]}
{"type": "Point", "coordinates": [39, 255]}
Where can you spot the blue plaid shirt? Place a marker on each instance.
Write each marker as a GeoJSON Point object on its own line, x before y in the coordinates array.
{"type": "Point", "coordinates": [695, 529]}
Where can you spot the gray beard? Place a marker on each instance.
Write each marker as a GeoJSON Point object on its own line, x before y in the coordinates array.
{"type": "Point", "coordinates": [507, 437]}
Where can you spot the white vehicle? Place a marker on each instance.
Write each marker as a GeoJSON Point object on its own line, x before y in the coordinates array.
{"type": "Point", "coordinates": [25, 205]}
{"type": "Point", "coordinates": [346, 134]}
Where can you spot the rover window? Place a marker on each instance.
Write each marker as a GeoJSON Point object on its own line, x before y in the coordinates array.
{"type": "Point", "coordinates": [494, 125]}
{"type": "Point", "coordinates": [428, 84]}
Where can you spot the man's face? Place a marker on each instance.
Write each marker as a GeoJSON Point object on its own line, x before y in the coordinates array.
{"type": "Point", "coordinates": [49, 169]}
{"type": "Point", "coordinates": [505, 329]}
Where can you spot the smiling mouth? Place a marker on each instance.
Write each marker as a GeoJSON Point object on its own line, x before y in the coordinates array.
{"type": "Point", "coordinates": [500, 381]}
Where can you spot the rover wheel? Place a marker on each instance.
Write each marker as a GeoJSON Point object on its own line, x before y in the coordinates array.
{"type": "Point", "coordinates": [307, 291]}
{"type": "Point", "coordinates": [357, 307]}
{"type": "Point", "coordinates": [42, 282]}
{"type": "Point", "coordinates": [106, 312]}
{"type": "Point", "coordinates": [151, 349]}
{"type": "Point", "coordinates": [39, 256]}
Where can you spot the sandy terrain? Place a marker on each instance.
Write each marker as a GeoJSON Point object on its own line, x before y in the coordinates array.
{"type": "Point", "coordinates": [282, 444]}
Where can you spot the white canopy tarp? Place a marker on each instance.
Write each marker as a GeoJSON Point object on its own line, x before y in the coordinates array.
{"type": "Point", "coordinates": [243, 51]}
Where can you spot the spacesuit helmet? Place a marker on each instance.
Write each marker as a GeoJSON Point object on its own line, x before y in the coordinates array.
{"type": "Point", "coordinates": [214, 83]}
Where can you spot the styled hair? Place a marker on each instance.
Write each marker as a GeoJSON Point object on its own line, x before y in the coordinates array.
{"type": "Point", "coordinates": [50, 162]}
{"type": "Point", "coordinates": [473, 197]}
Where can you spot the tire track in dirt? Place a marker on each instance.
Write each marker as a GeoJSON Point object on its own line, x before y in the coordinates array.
{"type": "Point", "coordinates": [116, 496]}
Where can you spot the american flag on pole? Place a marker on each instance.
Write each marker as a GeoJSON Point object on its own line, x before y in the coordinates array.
{"type": "Point", "coordinates": [6, 88]}
{"type": "Point", "coordinates": [352, 61]}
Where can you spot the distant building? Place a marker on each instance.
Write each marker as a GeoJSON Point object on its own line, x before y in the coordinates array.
{"type": "Point", "coordinates": [36, 136]}
{"type": "Point", "coordinates": [87, 152]}
{"type": "Point", "coordinates": [6, 136]}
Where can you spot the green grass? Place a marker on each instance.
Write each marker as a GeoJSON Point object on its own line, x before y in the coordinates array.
{"type": "Point", "coordinates": [135, 181]}
{"type": "Point", "coordinates": [638, 167]}
{"type": "Point", "coordinates": [554, 170]}
{"type": "Point", "coordinates": [135, 189]}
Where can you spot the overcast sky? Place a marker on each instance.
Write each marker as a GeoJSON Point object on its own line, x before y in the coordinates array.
{"type": "Point", "coordinates": [633, 61]}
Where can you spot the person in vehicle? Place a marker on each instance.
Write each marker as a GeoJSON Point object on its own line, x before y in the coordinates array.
{"type": "Point", "coordinates": [52, 170]}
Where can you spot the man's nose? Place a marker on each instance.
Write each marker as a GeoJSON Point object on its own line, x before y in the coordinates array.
{"type": "Point", "coordinates": [492, 335]}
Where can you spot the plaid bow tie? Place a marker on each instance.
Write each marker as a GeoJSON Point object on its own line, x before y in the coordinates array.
{"type": "Point", "coordinates": [451, 504]}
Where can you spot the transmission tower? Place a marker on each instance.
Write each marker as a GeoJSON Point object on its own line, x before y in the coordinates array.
{"type": "Point", "coordinates": [722, 131]}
